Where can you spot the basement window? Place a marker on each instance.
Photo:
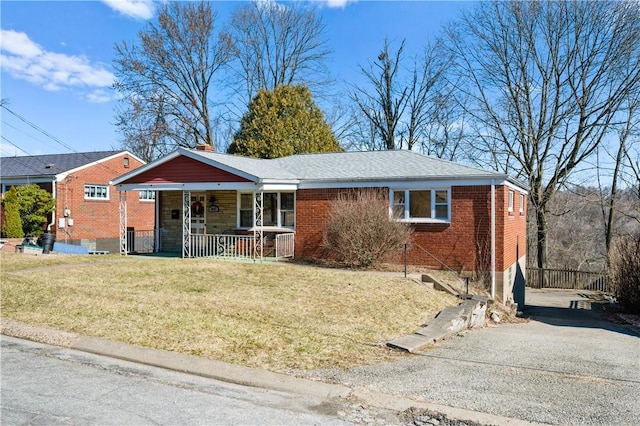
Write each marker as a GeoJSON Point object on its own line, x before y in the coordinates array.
{"type": "Point", "coordinates": [96, 192]}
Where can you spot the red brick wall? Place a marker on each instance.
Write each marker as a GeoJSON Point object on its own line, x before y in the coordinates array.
{"type": "Point", "coordinates": [513, 240]}
{"type": "Point", "coordinates": [462, 244]}
{"type": "Point", "coordinates": [98, 219]}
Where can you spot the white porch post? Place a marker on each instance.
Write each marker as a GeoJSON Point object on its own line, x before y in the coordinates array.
{"type": "Point", "coordinates": [122, 212]}
{"type": "Point", "coordinates": [186, 223]}
{"type": "Point", "coordinates": [257, 228]}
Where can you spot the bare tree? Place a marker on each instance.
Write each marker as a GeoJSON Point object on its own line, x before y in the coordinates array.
{"type": "Point", "coordinates": [545, 81]}
{"type": "Point", "coordinates": [408, 107]}
{"type": "Point", "coordinates": [427, 95]}
{"type": "Point", "coordinates": [628, 127]}
{"type": "Point", "coordinates": [165, 80]}
{"type": "Point", "coordinates": [276, 44]}
{"type": "Point", "coordinates": [386, 104]}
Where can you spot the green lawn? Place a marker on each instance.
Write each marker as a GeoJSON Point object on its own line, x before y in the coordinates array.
{"type": "Point", "coordinates": [279, 317]}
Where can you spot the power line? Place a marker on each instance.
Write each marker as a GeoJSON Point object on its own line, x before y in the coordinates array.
{"type": "Point", "coordinates": [24, 163]}
{"type": "Point", "coordinates": [58, 141]}
{"type": "Point", "coordinates": [5, 123]}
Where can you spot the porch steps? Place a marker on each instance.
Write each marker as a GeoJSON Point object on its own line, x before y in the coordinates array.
{"type": "Point", "coordinates": [468, 314]}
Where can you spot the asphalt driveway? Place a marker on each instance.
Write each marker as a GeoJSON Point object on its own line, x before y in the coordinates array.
{"type": "Point", "coordinates": [567, 363]}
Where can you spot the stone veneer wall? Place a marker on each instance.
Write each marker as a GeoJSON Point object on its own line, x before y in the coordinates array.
{"type": "Point", "coordinates": [217, 222]}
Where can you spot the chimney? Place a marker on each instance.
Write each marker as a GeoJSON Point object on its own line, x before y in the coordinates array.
{"type": "Point", "coordinates": [206, 147]}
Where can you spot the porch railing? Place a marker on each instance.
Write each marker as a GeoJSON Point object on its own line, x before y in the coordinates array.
{"type": "Point", "coordinates": [241, 246]}
{"type": "Point", "coordinates": [143, 241]}
{"type": "Point", "coordinates": [568, 279]}
{"type": "Point", "coordinates": [285, 245]}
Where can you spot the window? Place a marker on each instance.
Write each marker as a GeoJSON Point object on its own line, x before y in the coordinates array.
{"type": "Point", "coordinates": [147, 195]}
{"type": "Point", "coordinates": [245, 209]}
{"type": "Point", "coordinates": [398, 204]}
{"type": "Point", "coordinates": [510, 206]}
{"type": "Point", "coordinates": [521, 204]}
{"type": "Point", "coordinates": [125, 162]}
{"type": "Point", "coordinates": [278, 210]}
{"type": "Point", "coordinates": [423, 205]}
{"type": "Point", "coordinates": [287, 209]}
{"type": "Point", "coordinates": [96, 192]}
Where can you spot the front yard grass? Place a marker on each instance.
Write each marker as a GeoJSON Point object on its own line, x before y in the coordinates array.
{"type": "Point", "coordinates": [280, 317]}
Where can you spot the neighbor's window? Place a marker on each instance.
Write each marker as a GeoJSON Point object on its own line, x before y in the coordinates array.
{"type": "Point", "coordinates": [96, 192]}
{"type": "Point", "coordinates": [422, 205]}
{"type": "Point", "coordinates": [510, 206]}
{"type": "Point", "coordinates": [147, 195]}
{"type": "Point", "coordinates": [521, 203]}
{"type": "Point", "coordinates": [278, 210]}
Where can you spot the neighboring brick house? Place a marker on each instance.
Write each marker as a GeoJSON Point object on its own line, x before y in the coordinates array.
{"type": "Point", "coordinates": [212, 204]}
{"type": "Point", "coordinates": [87, 207]}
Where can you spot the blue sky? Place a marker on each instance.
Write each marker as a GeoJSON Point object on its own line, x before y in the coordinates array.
{"type": "Point", "coordinates": [56, 60]}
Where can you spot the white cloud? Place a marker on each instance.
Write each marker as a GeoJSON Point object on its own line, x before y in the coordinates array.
{"type": "Point", "coordinates": [338, 3]}
{"type": "Point", "coordinates": [137, 9]}
{"type": "Point", "coordinates": [98, 96]}
{"type": "Point", "coordinates": [26, 60]}
{"type": "Point", "coordinates": [19, 44]}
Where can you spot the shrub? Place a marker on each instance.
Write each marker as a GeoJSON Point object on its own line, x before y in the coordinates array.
{"type": "Point", "coordinates": [359, 231]}
{"type": "Point", "coordinates": [12, 224]}
{"type": "Point", "coordinates": [33, 205]}
{"type": "Point", "coordinates": [626, 273]}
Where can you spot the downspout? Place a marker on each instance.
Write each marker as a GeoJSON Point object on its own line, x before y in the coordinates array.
{"type": "Point", "coordinates": [493, 239]}
{"type": "Point", "coordinates": [53, 213]}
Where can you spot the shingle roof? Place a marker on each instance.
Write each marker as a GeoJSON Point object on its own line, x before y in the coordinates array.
{"type": "Point", "coordinates": [377, 165]}
{"type": "Point", "coordinates": [352, 166]}
{"type": "Point", "coordinates": [260, 168]}
{"type": "Point", "coordinates": [48, 165]}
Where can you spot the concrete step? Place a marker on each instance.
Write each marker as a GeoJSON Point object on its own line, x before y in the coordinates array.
{"type": "Point", "coordinates": [468, 314]}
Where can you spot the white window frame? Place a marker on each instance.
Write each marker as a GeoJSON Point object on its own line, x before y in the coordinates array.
{"type": "Point", "coordinates": [279, 210]}
{"type": "Point", "coordinates": [147, 195]}
{"type": "Point", "coordinates": [521, 203]}
{"type": "Point", "coordinates": [407, 204]}
{"type": "Point", "coordinates": [510, 201]}
{"type": "Point", "coordinates": [95, 187]}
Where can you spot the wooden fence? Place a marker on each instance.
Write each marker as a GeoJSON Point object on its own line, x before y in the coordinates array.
{"type": "Point", "coordinates": [569, 279]}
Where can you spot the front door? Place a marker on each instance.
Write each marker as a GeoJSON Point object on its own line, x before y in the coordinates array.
{"type": "Point", "coordinates": [198, 219]}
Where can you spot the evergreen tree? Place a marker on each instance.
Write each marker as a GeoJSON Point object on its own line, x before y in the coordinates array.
{"type": "Point", "coordinates": [33, 205]}
{"type": "Point", "coordinates": [12, 224]}
{"type": "Point", "coordinates": [283, 122]}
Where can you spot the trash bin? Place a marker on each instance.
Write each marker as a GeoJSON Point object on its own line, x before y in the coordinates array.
{"type": "Point", "coordinates": [47, 241]}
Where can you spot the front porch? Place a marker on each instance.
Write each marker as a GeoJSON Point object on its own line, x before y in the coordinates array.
{"type": "Point", "coordinates": [229, 224]}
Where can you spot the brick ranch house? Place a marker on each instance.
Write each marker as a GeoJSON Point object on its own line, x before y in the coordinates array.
{"type": "Point", "coordinates": [86, 210]}
{"type": "Point", "coordinates": [213, 204]}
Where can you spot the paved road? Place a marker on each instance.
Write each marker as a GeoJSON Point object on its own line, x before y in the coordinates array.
{"type": "Point", "coordinates": [565, 365]}
{"type": "Point", "coordinates": [44, 384]}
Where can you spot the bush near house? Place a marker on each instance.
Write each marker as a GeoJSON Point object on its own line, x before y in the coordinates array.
{"type": "Point", "coordinates": [32, 204]}
{"type": "Point", "coordinates": [626, 273]}
{"type": "Point", "coordinates": [11, 224]}
{"type": "Point", "coordinates": [359, 232]}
